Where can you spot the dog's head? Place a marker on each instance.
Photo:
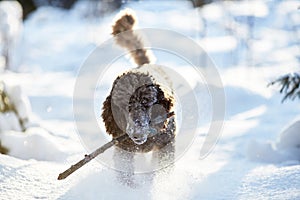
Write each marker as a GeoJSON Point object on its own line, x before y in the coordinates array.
{"type": "Point", "coordinates": [139, 123]}
{"type": "Point", "coordinates": [139, 106]}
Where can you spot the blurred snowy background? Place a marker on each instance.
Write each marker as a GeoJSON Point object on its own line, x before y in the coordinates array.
{"type": "Point", "coordinates": [252, 43]}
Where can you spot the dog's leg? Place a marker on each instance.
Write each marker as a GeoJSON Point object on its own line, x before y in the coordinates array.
{"type": "Point", "coordinates": [166, 156]}
{"type": "Point", "coordinates": [166, 152]}
{"type": "Point", "coordinates": [163, 159]}
{"type": "Point", "coordinates": [124, 164]}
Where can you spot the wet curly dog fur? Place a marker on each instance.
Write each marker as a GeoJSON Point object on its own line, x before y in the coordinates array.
{"type": "Point", "coordinates": [140, 103]}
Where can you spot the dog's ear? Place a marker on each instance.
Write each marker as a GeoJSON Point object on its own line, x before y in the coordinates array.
{"type": "Point", "coordinates": [110, 125]}
{"type": "Point", "coordinates": [166, 101]}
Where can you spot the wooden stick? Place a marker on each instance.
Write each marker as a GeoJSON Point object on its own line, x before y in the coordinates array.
{"type": "Point", "coordinates": [88, 158]}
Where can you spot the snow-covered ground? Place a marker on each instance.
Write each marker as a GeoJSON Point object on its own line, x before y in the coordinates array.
{"type": "Point", "coordinates": [257, 155]}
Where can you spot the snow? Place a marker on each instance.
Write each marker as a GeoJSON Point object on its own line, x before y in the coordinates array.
{"type": "Point", "coordinates": [257, 154]}
{"type": "Point", "coordinates": [34, 143]}
{"type": "Point", "coordinates": [10, 120]}
{"type": "Point", "coordinates": [10, 31]}
{"type": "Point", "coordinates": [218, 44]}
{"type": "Point", "coordinates": [286, 148]}
{"type": "Point", "coordinates": [20, 100]}
{"type": "Point", "coordinates": [249, 8]}
{"type": "Point", "coordinates": [271, 182]}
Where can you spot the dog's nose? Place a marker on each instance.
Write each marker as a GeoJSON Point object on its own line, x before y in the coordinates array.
{"type": "Point", "coordinates": [135, 138]}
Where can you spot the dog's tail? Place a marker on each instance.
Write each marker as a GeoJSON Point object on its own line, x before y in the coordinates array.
{"type": "Point", "coordinates": [128, 39]}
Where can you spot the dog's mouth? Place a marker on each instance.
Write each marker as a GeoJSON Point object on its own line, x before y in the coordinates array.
{"type": "Point", "coordinates": [137, 132]}
{"type": "Point", "coordinates": [140, 130]}
{"type": "Point", "coordinates": [140, 140]}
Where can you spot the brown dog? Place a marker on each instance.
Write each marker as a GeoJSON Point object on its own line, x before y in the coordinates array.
{"type": "Point", "coordinates": [140, 104]}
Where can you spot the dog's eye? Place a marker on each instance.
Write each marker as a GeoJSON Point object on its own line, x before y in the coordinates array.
{"type": "Point", "coordinates": [130, 130]}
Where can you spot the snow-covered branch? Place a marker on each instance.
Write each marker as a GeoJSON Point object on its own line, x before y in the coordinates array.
{"type": "Point", "coordinates": [14, 104]}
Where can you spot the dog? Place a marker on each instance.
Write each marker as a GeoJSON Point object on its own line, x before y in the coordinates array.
{"type": "Point", "coordinates": [140, 104]}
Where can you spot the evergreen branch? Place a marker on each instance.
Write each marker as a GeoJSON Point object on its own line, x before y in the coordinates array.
{"type": "Point", "coordinates": [290, 86]}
